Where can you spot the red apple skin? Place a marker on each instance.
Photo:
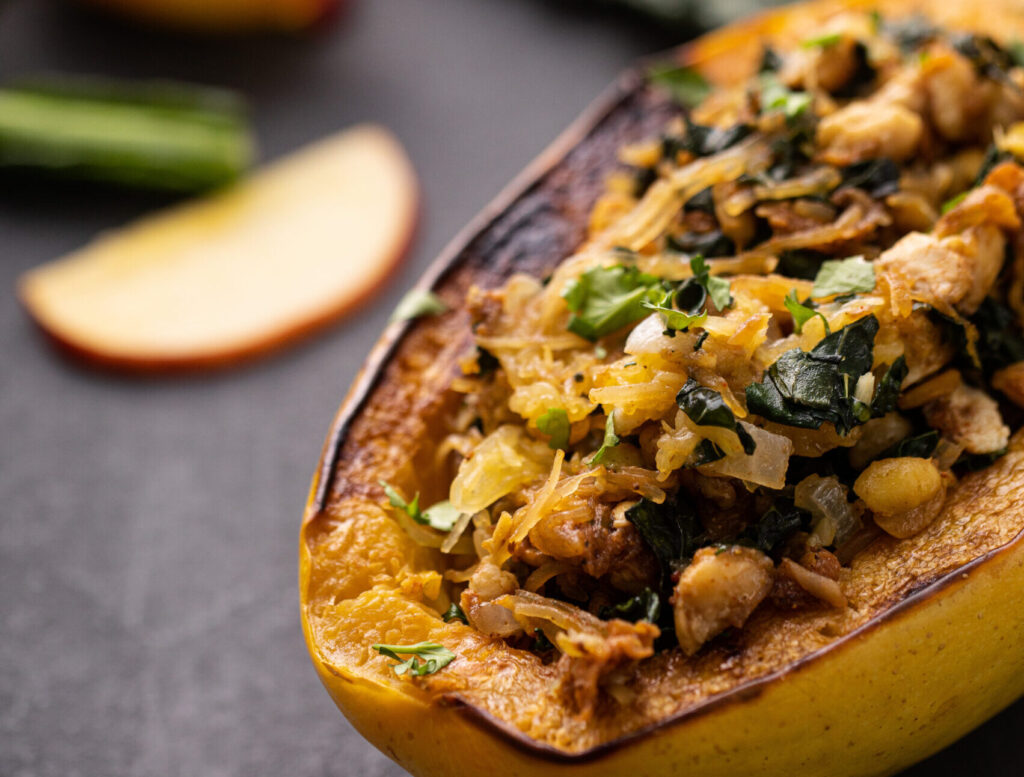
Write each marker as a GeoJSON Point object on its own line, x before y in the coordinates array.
{"type": "Point", "coordinates": [225, 16]}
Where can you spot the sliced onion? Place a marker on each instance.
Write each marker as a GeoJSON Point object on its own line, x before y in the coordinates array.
{"type": "Point", "coordinates": [817, 585]}
{"type": "Point", "coordinates": [429, 538]}
{"type": "Point", "coordinates": [826, 500]}
{"type": "Point", "coordinates": [545, 572]}
{"type": "Point", "coordinates": [765, 467]}
{"type": "Point", "coordinates": [456, 533]}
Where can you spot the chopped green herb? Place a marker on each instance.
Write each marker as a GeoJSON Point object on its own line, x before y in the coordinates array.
{"type": "Point", "coordinates": [822, 41]}
{"type": "Point", "coordinates": [777, 97]}
{"type": "Point", "coordinates": [807, 389]}
{"type": "Point", "coordinates": [705, 407]}
{"type": "Point", "coordinates": [700, 340]}
{"type": "Point", "coordinates": [610, 441]}
{"type": "Point", "coordinates": [486, 361]}
{"type": "Point", "coordinates": [988, 57]}
{"type": "Point", "coordinates": [441, 516]}
{"type": "Point", "coordinates": [605, 299]}
{"type": "Point", "coordinates": [675, 320]}
{"type": "Point", "coordinates": [455, 613]}
{"type": "Point", "coordinates": [844, 276]}
{"type": "Point", "coordinates": [717, 288]}
{"type": "Point", "coordinates": [704, 140]}
{"type": "Point", "coordinates": [687, 86]}
{"type": "Point", "coordinates": [803, 313]}
{"type": "Point", "coordinates": [600, 352]}
{"type": "Point", "coordinates": [952, 202]}
{"type": "Point", "coordinates": [555, 424]}
{"type": "Point", "coordinates": [424, 657]}
{"type": "Point", "coordinates": [417, 303]}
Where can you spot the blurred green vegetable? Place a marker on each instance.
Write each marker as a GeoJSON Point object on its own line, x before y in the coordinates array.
{"type": "Point", "coordinates": [154, 135]}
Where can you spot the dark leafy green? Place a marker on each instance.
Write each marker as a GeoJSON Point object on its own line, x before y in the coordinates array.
{"type": "Point", "coordinates": [910, 33]}
{"type": "Point", "coordinates": [878, 177]}
{"type": "Point", "coordinates": [920, 446]}
{"type": "Point", "coordinates": [888, 391]}
{"type": "Point", "coordinates": [776, 526]}
{"type": "Point", "coordinates": [972, 462]}
{"type": "Point", "coordinates": [705, 407]}
{"type": "Point", "coordinates": [455, 613]}
{"type": "Point", "coordinates": [809, 388]}
{"type": "Point", "coordinates": [988, 57]}
{"type": "Point", "coordinates": [646, 606]}
{"type": "Point", "coordinates": [801, 263]}
{"type": "Point", "coordinates": [712, 243]}
{"type": "Point", "coordinates": [671, 530]}
{"type": "Point", "coordinates": [993, 157]}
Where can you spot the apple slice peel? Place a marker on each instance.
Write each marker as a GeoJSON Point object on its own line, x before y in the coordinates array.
{"type": "Point", "coordinates": [228, 277]}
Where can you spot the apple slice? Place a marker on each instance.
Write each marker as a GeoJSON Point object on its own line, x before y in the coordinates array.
{"type": "Point", "coordinates": [240, 272]}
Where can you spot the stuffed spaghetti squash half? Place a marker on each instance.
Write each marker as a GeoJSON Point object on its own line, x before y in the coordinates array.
{"type": "Point", "coordinates": [711, 464]}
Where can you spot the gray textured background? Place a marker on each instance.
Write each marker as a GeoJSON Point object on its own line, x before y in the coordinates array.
{"type": "Point", "coordinates": [148, 529]}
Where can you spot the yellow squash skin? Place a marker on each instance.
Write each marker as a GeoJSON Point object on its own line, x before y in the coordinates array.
{"type": "Point", "coordinates": [936, 648]}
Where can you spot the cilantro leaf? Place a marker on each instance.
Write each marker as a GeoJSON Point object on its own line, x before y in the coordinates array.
{"type": "Point", "coordinates": [674, 319]}
{"type": "Point", "coordinates": [802, 313]}
{"type": "Point", "coordinates": [777, 97]}
{"type": "Point", "coordinates": [441, 516]}
{"type": "Point", "coordinates": [705, 407]}
{"type": "Point", "coordinates": [610, 441]}
{"type": "Point", "coordinates": [807, 389]}
{"type": "Point", "coordinates": [417, 303]}
{"type": "Point", "coordinates": [424, 657]}
{"type": "Point", "coordinates": [952, 202]}
{"type": "Point", "coordinates": [687, 86]}
{"type": "Point", "coordinates": [822, 41]}
{"type": "Point", "coordinates": [717, 288]}
{"type": "Point", "coordinates": [605, 299]}
{"type": "Point", "coordinates": [844, 276]}
{"type": "Point", "coordinates": [555, 424]}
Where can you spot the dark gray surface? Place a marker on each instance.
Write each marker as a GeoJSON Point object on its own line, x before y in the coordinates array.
{"type": "Point", "coordinates": [148, 604]}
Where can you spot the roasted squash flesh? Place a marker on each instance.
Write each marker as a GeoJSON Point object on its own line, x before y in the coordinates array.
{"type": "Point", "coordinates": [915, 640]}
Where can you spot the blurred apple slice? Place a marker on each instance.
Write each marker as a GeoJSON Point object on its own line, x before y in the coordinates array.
{"type": "Point", "coordinates": [241, 272]}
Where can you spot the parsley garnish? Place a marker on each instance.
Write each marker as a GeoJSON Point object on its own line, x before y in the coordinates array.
{"type": "Point", "coordinates": [441, 516]}
{"type": "Point", "coordinates": [416, 303]}
{"type": "Point", "coordinates": [687, 86]}
{"type": "Point", "coordinates": [675, 320]}
{"type": "Point", "coordinates": [605, 299]}
{"type": "Point", "coordinates": [555, 424]}
{"type": "Point", "coordinates": [803, 313]}
{"type": "Point", "coordinates": [844, 276]}
{"type": "Point", "coordinates": [776, 96]}
{"type": "Point", "coordinates": [434, 657]}
{"type": "Point", "coordinates": [610, 441]}
{"type": "Point", "coordinates": [952, 202]}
